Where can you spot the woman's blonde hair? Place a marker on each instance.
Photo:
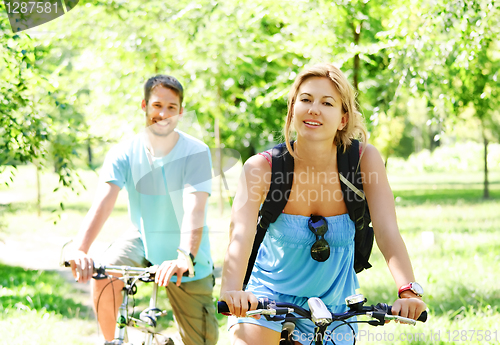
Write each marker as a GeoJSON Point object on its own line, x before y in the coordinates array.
{"type": "Point", "coordinates": [354, 129]}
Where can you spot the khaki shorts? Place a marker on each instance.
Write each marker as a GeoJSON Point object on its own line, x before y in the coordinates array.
{"type": "Point", "coordinates": [192, 302]}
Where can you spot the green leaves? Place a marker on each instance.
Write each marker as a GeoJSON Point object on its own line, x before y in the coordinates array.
{"type": "Point", "coordinates": [80, 84]}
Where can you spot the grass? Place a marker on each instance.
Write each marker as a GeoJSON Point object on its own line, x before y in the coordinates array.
{"type": "Point", "coordinates": [458, 268]}
{"type": "Point", "coordinates": [39, 307]}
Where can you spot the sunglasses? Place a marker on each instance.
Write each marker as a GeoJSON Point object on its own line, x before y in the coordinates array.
{"type": "Point", "coordinates": [320, 250]}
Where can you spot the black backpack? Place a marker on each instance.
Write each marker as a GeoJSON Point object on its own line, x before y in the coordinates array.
{"type": "Point", "coordinates": [352, 191]}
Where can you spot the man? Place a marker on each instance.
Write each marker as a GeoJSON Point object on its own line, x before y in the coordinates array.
{"type": "Point", "coordinates": [167, 176]}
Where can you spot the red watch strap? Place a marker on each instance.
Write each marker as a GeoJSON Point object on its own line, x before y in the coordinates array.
{"type": "Point", "coordinates": [403, 288]}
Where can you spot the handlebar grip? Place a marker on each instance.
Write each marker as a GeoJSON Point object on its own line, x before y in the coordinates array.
{"type": "Point", "coordinates": [68, 264]}
{"type": "Point", "coordinates": [222, 307]}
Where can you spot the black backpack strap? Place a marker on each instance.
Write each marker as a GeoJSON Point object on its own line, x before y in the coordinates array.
{"type": "Point", "coordinates": [276, 199]}
{"type": "Point", "coordinates": [351, 183]}
{"type": "Point", "coordinates": [354, 198]}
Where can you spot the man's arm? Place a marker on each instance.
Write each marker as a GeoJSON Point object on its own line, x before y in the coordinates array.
{"type": "Point", "coordinates": [194, 205]}
{"type": "Point", "coordinates": [103, 204]}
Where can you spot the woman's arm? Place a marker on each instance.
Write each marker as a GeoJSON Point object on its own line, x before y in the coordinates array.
{"type": "Point", "coordinates": [383, 214]}
{"type": "Point", "coordinates": [252, 187]}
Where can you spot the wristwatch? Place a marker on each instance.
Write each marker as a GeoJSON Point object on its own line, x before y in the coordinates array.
{"type": "Point", "coordinates": [416, 288]}
{"type": "Point", "coordinates": [190, 261]}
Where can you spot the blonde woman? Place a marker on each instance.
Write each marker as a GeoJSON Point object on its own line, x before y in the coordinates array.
{"type": "Point", "coordinates": [323, 115]}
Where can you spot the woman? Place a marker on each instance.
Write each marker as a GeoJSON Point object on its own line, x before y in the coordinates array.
{"type": "Point", "coordinates": [322, 112]}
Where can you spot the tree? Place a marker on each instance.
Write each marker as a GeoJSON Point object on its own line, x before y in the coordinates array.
{"type": "Point", "coordinates": [471, 64]}
{"type": "Point", "coordinates": [36, 123]}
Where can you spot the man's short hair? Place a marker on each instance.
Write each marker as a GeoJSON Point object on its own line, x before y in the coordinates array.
{"type": "Point", "coordinates": [166, 81]}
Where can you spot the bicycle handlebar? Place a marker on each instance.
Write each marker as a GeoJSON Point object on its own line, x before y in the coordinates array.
{"type": "Point", "coordinates": [285, 308]}
{"type": "Point", "coordinates": [128, 269]}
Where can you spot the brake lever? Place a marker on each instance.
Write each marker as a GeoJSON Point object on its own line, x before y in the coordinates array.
{"type": "Point", "coordinates": [400, 319]}
{"type": "Point", "coordinates": [261, 312]}
{"type": "Point", "coordinates": [270, 312]}
{"type": "Point", "coordinates": [382, 317]}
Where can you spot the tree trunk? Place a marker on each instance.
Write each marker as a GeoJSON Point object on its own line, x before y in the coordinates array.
{"type": "Point", "coordinates": [38, 190]}
{"type": "Point", "coordinates": [218, 164]}
{"type": "Point", "coordinates": [355, 73]}
{"type": "Point", "coordinates": [486, 192]}
{"type": "Point", "coordinates": [89, 152]}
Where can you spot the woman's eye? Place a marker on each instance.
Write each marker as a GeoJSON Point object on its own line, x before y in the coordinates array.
{"type": "Point", "coordinates": [305, 100]}
{"type": "Point", "coordinates": [329, 104]}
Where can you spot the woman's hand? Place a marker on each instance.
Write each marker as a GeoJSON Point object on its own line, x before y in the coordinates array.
{"type": "Point", "coordinates": [239, 301]}
{"type": "Point", "coordinates": [409, 306]}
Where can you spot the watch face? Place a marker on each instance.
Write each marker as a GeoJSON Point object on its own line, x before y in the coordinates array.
{"type": "Point", "coordinates": [417, 289]}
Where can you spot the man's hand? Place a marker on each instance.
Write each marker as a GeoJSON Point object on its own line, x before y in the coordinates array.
{"type": "Point", "coordinates": [168, 268]}
{"type": "Point", "coordinates": [82, 266]}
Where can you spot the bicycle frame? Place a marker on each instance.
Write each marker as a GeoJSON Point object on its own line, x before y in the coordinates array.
{"type": "Point", "coordinates": [147, 321]}
{"type": "Point", "coordinates": [124, 320]}
{"type": "Point", "coordinates": [129, 275]}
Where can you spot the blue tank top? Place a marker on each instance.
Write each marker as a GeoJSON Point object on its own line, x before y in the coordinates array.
{"type": "Point", "coordinates": [284, 264]}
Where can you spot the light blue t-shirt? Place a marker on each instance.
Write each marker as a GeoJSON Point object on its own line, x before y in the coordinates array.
{"type": "Point", "coordinates": [156, 187]}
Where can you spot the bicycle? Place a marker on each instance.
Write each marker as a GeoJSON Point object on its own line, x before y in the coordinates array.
{"type": "Point", "coordinates": [147, 321]}
{"type": "Point", "coordinates": [319, 314]}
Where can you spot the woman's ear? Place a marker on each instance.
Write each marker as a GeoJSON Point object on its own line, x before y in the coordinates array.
{"type": "Point", "coordinates": [343, 121]}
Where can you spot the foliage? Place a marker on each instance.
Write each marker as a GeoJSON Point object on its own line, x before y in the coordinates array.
{"type": "Point", "coordinates": [417, 67]}
{"type": "Point", "coordinates": [38, 124]}
{"type": "Point", "coordinates": [22, 130]}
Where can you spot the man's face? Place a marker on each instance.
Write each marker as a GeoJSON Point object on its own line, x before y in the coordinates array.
{"type": "Point", "coordinates": [163, 111]}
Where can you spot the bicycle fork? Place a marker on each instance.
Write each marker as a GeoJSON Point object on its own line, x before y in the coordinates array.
{"type": "Point", "coordinates": [121, 321]}
{"type": "Point", "coordinates": [147, 320]}
{"type": "Point", "coordinates": [152, 313]}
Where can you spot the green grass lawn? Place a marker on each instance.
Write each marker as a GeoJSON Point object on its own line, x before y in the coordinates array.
{"type": "Point", "coordinates": [458, 269]}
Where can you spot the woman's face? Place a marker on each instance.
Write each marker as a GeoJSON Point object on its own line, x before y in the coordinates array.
{"type": "Point", "coordinates": [317, 111]}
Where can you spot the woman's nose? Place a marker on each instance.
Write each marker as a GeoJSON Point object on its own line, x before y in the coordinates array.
{"type": "Point", "coordinates": [314, 109]}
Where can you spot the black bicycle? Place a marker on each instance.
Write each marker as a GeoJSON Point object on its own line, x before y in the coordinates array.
{"type": "Point", "coordinates": [288, 313]}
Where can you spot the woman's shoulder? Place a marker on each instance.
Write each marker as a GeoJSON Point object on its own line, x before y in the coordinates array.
{"type": "Point", "coordinates": [368, 150]}
{"type": "Point", "coordinates": [370, 158]}
{"type": "Point", "coordinates": [261, 162]}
